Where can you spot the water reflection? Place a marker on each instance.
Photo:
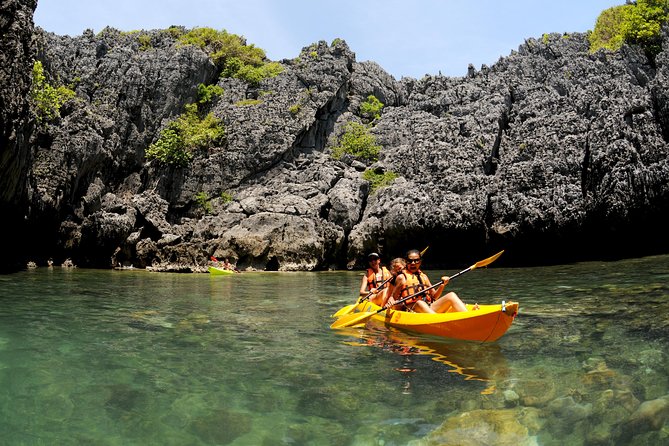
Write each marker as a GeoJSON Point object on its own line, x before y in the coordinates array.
{"type": "Point", "coordinates": [473, 361]}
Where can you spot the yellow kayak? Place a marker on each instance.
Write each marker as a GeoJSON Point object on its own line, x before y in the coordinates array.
{"type": "Point", "coordinates": [486, 324]}
{"type": "Point", "coordinates": [219, 271]}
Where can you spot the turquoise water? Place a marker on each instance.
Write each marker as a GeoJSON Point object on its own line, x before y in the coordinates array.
{"type": "Point", "coordinates": [132, 357]}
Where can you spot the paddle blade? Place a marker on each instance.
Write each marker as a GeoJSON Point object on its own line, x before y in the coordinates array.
{"type": "Point", "coordinates": [344, 311]}
{"type": "Point", "coordinates": [487, 261]}
{"type": "Point", "coordinates": [352, 319]}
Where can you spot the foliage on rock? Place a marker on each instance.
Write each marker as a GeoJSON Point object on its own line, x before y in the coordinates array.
{"type": "Point", "coordinates": [207, 93]}
{"type": "Point", "coordinates": [46, 98]}
{"type": "Point", "coordinates": [222, 45]}
{"type": "Point", "coordinates": [188, 132]}
{"type": "Point", "coordinates": [633, 23]}
{"type": "Point", "coordinates": [202, 200]}
{"type": "Point", "coordinates": [232, 54]}
{"type": "Point", "coordinates": [235, 67]}
{"type": "Point", "coordinates": [379, 179]}
{"type": "Point", "coordinates": [371, 107]}
{"type": "Point", "coordinates": [358, 142]}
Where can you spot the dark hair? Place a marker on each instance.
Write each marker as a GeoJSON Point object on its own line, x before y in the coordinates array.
{"type": "Point", "coordinates": [413, 251]}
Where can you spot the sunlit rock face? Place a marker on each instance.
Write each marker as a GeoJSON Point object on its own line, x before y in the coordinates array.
{"type": "Point", "coordinates": [552, 153]}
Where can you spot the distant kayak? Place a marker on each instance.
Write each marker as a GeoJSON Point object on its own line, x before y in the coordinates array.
{"type": "Point", "coordinates": [219, 271]}
{"type": "Point", "coordinates": [486, 324]}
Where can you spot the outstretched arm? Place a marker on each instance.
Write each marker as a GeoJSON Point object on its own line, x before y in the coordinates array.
{"type": "Point", "coordinates": [440, 289]}
{"type": "Point", "coordinates": [363, 286]}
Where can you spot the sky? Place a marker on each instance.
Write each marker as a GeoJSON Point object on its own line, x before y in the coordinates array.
{"type": "Point", "coordinates": [406, 38]}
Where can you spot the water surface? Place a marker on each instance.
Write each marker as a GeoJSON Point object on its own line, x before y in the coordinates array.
{"type": "Point", "coordinates": [132, 357]}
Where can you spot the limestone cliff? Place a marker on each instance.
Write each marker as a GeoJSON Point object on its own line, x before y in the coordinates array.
{"type": "Point", "coordinates": [552, 153]}
{"type": "Point", "coordinates": [16, 53]}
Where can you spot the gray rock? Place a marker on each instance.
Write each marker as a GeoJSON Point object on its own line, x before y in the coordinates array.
{"type": "Point", "coordinates": [551, 146]}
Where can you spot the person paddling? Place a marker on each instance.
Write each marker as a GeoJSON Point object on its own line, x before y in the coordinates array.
{"type": "Point", "coordinates": [374, 276]}
{"type": "Point", "coordinates": [397, 265]}
{"type": "Point", "coordinates": [412, 280]}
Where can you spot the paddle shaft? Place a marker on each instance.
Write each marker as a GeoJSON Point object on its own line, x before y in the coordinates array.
{"type": "Point", "coordinates": [378, 288]}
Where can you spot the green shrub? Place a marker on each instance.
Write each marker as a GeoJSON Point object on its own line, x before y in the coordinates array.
{"type": "Point", "coordinates": [609, 30]}
{"type": "Point", "coordinates": [47, 99]}
{"type": "Point", "coordinates": [175, 31]}
{"type": "Point", "coordinates": [235, 67]}
{"type": "Point", "coordinates": [188, 132]}
{"type": "Point", "coordinates": [205, 93]}
{"type": "Point", "coordinates": [144, 42]}
{"type": "Point", "coordinates": [295, 109]}
{"type": "Point", "coordinates": [357, 141]}
{"type": "Point", "coordinates": [634, 23]}
{"type": "Point", "coordinates": [221, 46]}
{"type": "Point", "coordinates": [231, 53]}
{"type": "Point", "coordinates": [371, 107]}
{"type": "Point", "coordinates": [202, 200]}
{"type": "Point", "coordinates": [170, 148]}
{"type": "Point", "coordinates": [378, 179]}
{"type": "Point", "coordinates": [226, 197]}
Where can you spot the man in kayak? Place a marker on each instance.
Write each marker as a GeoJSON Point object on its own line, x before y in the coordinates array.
{"type": "Point", "coordinates": [373, 278]}
{"type": "Point", "coordinates": [412, 280]}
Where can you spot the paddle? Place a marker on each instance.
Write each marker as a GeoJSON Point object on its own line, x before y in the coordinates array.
{"type": "Point", "coordinates": [348, 308]}
{"type": "Point", "coordinates": [357, 318]}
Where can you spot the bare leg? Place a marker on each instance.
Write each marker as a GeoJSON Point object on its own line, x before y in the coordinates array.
{"type": "Point", "coordinates": [442, 304]}
{"type": "Point", "coordinates": [422, 307]}
{"type": "Point", "coordinates": [378, 297]}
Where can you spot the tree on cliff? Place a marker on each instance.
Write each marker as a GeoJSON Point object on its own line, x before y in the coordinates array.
{"type": "Point", "coordinates": [637, 22]}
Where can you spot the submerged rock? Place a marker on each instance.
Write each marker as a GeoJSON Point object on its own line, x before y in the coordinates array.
{"type": "Point", "coordinates": [649, 416]}
{"type": "Point", "coordinates": [481, 427]}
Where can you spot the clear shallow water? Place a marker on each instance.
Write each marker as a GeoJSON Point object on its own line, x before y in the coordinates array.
{"type": "Point", "coordinates": [131, 357]}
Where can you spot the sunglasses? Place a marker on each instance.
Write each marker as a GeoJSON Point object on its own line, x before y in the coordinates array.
{"type": "Point", "coordinates": [413, 260]}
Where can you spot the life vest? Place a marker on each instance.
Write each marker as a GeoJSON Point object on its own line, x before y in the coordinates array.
{"type": "Point", "coordinates": [375, 278]}
{"type": "Point", "coordinates": [413, 284]}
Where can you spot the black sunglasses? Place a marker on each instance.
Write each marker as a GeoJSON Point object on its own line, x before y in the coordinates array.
{"type": "Point", "coordinates": [413, 260]}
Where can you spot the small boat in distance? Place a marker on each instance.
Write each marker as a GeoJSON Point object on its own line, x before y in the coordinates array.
{"type": "Point", "coordinates": [220, 271]}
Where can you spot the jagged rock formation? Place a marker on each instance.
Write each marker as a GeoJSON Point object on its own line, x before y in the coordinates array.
{"type": "Point", "coordinates": [16, 30]}
{"type": "Point", "coordinates": [552, 153]}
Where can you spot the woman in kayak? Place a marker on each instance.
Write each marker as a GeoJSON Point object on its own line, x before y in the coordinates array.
{"type": "Point", "coordinates": [397, 265]}
{"type": "Point", "coordinates": [373, 278]}
{"type": "Point", "coordinates": [412, 280]}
